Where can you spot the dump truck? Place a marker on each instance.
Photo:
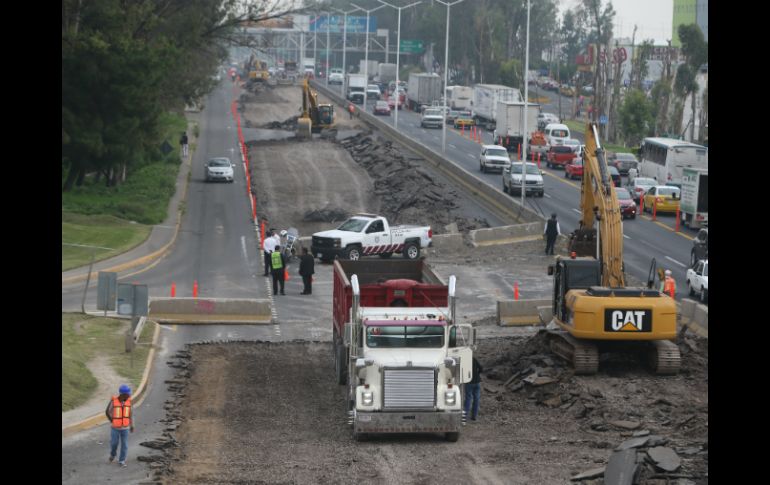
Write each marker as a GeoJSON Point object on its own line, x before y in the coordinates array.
{"type": "Point", "coordinates": [399, 349]}
{"type": "Point", "coordinates": [485, 99]}
{"type": "Point", "coordinates": [694, 207]}
{"type": "Point", "coordinates": [510, 123]}
{"type": "Point", "coordinates": [423, 89]}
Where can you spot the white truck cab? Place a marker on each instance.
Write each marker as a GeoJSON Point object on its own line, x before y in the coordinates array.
{"type": "Point", "coordinates": [556, 133]}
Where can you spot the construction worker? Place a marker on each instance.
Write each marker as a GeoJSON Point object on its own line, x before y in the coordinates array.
{"type": "Point", "coordinates": [120, 414]}
{"type": "Point", "coordinates": [473, 390]}
{"type": "Point", "coordinates": [669, 285]}
{"type": "Point", "coordinates": [306, 270]}
{"type": "Point", "coordinates": [278, 265]}
{"type": "Point", "coordinates": [269, 246]}
{"type": "Point", "coordinates": [351, 110]}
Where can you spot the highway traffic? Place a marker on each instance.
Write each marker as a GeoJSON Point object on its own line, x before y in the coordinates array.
{"type": "Point", "coordinates": [644, 238]}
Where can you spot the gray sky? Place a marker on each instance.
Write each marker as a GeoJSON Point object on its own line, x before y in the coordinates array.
{"type": "Point", "coordinates": [652, 17]}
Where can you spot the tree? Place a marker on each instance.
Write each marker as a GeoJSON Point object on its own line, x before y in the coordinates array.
{"type": "Point", "coordinates": [510, 73]}
{"type": "Point", "coordinates": [695, 53]}
{"type": "Point", "coordinates": [636, 116]}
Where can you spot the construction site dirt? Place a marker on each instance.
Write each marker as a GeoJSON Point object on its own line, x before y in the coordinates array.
{"type": "Point", "coordinates": [272, 413]}
{"type": "Point", "coordinates": [261, 412]}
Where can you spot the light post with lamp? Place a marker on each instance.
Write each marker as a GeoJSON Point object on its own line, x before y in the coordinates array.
{"type": "Point", "coordinates": [366, 56]}
{"type": "Point", "coordinates": [446, 71]}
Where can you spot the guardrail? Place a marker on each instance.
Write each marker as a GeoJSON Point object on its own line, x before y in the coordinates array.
{"type": "Point", "coordinates": [495, 200]}
{"type": "Point", "coordinates": [210, 310]}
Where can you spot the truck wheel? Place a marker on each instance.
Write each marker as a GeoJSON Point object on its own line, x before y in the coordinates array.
{"type": "Point", "coordinates": [340, 367]}
{"type": "Point", "coordinates": [353, 253]}
{"type": "Point", "coordinates": [505, 187]}
{"type": "Point", "coordinates": [411, 251]}
{"type": "Point", "coordinates": [453, 436]}
{"type": "Point", "coordinates": [690, 290]}
{"type": "Point", "coordinates": [704, 295]}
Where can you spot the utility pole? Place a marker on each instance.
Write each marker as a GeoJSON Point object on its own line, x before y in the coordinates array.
{"type": "Point", "coordinates": [446, 71]}
{"type": "Point", "coordinates": [366, 56]}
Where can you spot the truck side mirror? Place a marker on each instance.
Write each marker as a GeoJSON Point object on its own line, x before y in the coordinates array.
{"type": "Point", "coordinates": [348, 337]}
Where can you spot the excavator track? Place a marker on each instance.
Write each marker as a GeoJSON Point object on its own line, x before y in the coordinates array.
{"type": "Point", "coordinates": [583, 355]}
{"type": "Point", "coordinates": [664, 357]}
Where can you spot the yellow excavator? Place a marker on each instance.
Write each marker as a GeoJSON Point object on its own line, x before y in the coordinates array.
{"type": "Point", "coordinates": [593, 309]}
{"type": "Point", "coordinates": [314, 117]}
{"type": "Point", "coordinates": [258, 69]}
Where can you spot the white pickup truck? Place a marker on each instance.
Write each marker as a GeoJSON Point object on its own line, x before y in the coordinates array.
{"type": "Point", "coordinates": [698, 280]}
{"type": "Point", "coordinates": [369, 234]}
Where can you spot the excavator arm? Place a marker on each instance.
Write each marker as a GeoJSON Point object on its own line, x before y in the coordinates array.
{"type": "Point", "coordinates": [599, 207]}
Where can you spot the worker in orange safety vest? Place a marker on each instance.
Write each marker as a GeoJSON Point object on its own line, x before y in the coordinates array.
{"type": "Point", "coordinates": [351, 110]}
{"type": "Point", "coordinates": [669, 285]}
{"type": "Point", "coordinates": [120, 414]}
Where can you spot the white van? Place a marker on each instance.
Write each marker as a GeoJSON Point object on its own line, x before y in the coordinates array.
{"type": "Point", "coordinates": [556, 133]}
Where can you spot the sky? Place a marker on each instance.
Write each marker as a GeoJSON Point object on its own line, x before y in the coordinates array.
{"type": "Point", "coordinates": [653, 18]}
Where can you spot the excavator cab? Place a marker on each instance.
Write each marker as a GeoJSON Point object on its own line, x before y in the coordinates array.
{"type": "Point", "coordinates": [572, 274]}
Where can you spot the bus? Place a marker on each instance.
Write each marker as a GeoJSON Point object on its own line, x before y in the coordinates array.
{"type": "Point", "coordinates": [663, 159]}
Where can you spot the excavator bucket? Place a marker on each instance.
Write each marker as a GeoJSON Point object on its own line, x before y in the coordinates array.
{"type": "Point", "coordinates": [303, 128]}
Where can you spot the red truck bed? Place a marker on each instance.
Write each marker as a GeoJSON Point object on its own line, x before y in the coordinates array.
{"type": "Point", "coordinates": [407, 283]}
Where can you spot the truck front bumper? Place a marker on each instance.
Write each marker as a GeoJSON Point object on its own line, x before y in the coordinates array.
{"type": "Point", "coordinates": [408, 422]}
{"type": "Point", "coordinates": [326, 253]}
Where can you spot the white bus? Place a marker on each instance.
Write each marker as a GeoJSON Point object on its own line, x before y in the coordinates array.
{"type": "Point", "coordinates": [664, 158]}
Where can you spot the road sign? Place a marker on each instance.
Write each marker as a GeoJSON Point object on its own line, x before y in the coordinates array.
{"type": "Point", "coordinates": [603, 119]}
{"type": "Point", "coordinates": [412, 47]}
{"type": "Point", "coordinates": [132, 299]}
{"type": "Point", "coordinates": [107, 291]}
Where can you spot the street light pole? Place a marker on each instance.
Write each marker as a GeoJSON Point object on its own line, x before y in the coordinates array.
{"type": "Point", "coordinates": [446, 71]}
{"type": "Point", "coordinates": [398, 52]}
{"type": "Point", "coordinates": [328, 64]}
{"type": "Point", "coordinates": [526, 106]}
{"type": "Point", "coordinates": [366, 55]}
{"type": "Point", "coordinates": [345, 39]}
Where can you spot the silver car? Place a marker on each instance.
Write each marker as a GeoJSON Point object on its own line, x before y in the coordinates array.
{"type": "Point", "coordinates": [219, 169]}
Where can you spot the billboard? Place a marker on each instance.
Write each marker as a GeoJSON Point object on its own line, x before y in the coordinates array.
{"type": "Point", "coordinates": [335, 24]}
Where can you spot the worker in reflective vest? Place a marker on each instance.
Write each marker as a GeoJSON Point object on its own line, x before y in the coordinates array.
{"type": "Point", "coordinates": [669, 285]}
{"type": "Point", "coordinates": [278, 264]}
{"type": "Point", "coordinates": [351, 110]}
{"type": "Point", "coordinates": [120, 414]}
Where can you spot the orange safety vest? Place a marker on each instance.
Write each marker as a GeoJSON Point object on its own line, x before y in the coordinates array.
{"type": "Point", "coordinates": [669, 286]}
{"type": "Point", "coordinates": [351, 108]}
{"type": "Point", "coordinates": [121, 413]}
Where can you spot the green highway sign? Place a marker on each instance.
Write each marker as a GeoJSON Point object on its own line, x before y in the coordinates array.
{"type": "Point", "coordinates": [412, 47]}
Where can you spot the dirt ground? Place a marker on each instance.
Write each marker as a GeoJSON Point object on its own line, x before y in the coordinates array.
{"type": "Point", "coordinates": [260, 412]}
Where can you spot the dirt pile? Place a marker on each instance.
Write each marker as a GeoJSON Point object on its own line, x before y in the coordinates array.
{"type": "Point", "coordinates": [288, 124]}
{"type": "Point", "coordinates": [663, 420]}
{"type": "Point", "coordinates": [327, 214]}
{"type": "Point", "coordinates": [409, 194]}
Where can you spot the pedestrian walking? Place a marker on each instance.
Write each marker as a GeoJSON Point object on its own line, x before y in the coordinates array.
{"type": "Point", "coordinates": [183, 142]}
{"type": "Point", "coordinates": [120, 414]}
{"type": "Point", "coordinates": [669, 284]}
{"type": "Point", "coordinates": [351, 110]}
{"type": "Point", "coordinates": [552, 230]}
{"type": "Point", "coordinates": [306, 270]}
{"type": "Point", "coordinates": [473, 390]}
{"type": "Point", "coordinates": [278, 265]}
{"type": "Point", "coordinates": [268, 247]}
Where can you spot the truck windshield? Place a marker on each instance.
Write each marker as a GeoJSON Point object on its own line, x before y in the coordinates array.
{"type": "Point", "coordinates": [353, 225]}
{"type": "Point", "coordinates": [392, 336]}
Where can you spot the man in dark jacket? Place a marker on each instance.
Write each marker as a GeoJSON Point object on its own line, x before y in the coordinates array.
{"type": "Point", "coordinates": [552, 230]}
{"type": "Point", "coordinates": [306, 270]}
{"type": "Point", "coordinates": [473, 390]}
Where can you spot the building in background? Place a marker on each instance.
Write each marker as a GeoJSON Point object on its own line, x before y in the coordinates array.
{"type": "Point", "coordinates": [688, 12]}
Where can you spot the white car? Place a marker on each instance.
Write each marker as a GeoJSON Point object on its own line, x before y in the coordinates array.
{"type": "Point", "coordinates": [512, 178]}
{"type": "Point", "coordinates": [432, 117]}
{"type": "Point", "coordinates": [698, 280]}
{"type": "Point", "coordinates": [336, 76]}
{"type": "Point", "coordinates": [574, 144]}
{"type": "Point", "coordinates": [219, 169]}
{"type": "Point", "coordinates": [493, 157]}
{"type": "Point", "coordinates": [373, 92]}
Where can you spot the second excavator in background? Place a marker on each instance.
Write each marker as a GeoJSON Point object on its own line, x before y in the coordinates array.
{"type": "Point", "coordinates": [593, 310]}
{"type": "Point", "coordinates": [314, 117]}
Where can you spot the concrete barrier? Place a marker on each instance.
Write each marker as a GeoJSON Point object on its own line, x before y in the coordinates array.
{"type": "Point", "coordinates": [210, 310]}
{"type": "Point", "coordinates": [687, 308]}
{"type": "Point", "coordinates": [507, 234]}
{"type": "Point", "coordinates": [492, 198]}
{"type": "Point", "coordinates": [448, 242]}
{"type": "Point", "coordinates": [521, 312]}
{"type": "Point", "coordinates": [701, 316]}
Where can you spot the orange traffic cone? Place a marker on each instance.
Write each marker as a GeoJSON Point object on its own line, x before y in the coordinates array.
{"type": "Point", "coordinates": [195, 289]}
{"type": "Point", "coordinates": [173, 289]}
{"type": "Point", "coordinates": [286, 274]}
{"type": "Point", "coordinates": [516, 290]}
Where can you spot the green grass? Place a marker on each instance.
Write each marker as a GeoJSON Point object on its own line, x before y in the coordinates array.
{"type": "Point", "coordinates": [97, 230]}
{"type": "Point", "coordinates": [93, 337]}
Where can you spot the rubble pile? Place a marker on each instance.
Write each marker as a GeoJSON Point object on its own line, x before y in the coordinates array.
{"type": "Point", "coordinates": [409, 194]}
{"type": "Point", "coordinates": [327, 214]}
{"type": "Point", "coordinates": [288, 124]}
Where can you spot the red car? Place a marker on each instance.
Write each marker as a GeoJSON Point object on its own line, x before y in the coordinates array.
{"type": "Point", "coordinates": [574, 169]}
{"type": "Point", "coordinates": [627, 204]}
{"type": "Point", "coordinates": [559, 155]}
{"type": "Point", "coordinates": [381, 108]}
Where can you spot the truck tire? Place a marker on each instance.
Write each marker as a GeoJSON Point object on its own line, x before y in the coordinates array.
{"type": "Point", "coordinates": [411, 250]}
{"type": "Point", "coordinates": [453, 436]}
{"type": "Point", "coordinates": [505, 187]}
{"type": "Point", "coordinates": [353, 253]}
{"type": "Point", "coordinates": [340, 366]}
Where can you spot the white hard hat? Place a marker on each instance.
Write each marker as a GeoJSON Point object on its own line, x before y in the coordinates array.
{"type": "Point", "coordinates": [668, 272]}
{"type": "Point", "coordinates": [283, 233]}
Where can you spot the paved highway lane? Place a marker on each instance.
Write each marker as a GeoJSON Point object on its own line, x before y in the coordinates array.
{"type": "Point", "coordinates": [644, 239]}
